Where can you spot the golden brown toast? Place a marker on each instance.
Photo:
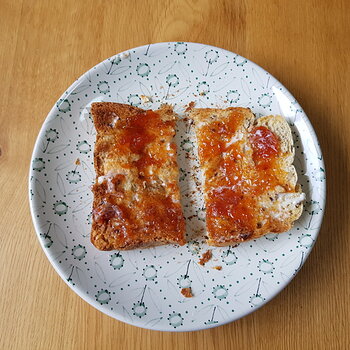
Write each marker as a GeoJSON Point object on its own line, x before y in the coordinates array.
{"type": "Point", "coordinates": [249, 181]}
{"type": "Point", "coordinates": [136, 194]}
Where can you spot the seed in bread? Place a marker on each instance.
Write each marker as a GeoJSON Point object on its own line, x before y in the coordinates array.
{"type": "Point", "coordinates": [136, 194]}
{"type": "Point", "coordinates": [249, 184]}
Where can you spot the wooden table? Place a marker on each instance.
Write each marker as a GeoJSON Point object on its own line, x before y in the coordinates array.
{"type": "Point", "coordinates": [45, 47]}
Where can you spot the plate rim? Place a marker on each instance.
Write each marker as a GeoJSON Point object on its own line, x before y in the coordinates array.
{"type": "Point", "coordinates": [88, 298]}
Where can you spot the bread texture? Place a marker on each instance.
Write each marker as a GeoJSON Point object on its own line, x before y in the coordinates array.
{"type": "Point", "coordinates": [136, 195]}
{"type": "Point", "coordinates": [250, 184]}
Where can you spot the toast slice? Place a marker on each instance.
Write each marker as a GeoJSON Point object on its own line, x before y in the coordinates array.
{"type": "Point", "coordinates": [249, 182]}
{"type": "Point", "coordinates": [136, 194]}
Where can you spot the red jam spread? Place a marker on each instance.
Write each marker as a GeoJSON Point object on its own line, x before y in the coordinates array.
{"type": "Point", "coordinates": [161, 213]}
{"type": "Point", "coordinates": [138, 132]}
{"type": "Point", "coordinates": [154, 213]}
{"type": "Point", "coordinates": [265, 144]}
{"type": "Point", "coordinates": [235, 179]}
{"type": "Point", "coordinates": [106, 211]}
{"type": "Point", "coordinates": [146, 209]}
{"type": "Point", "coordinates": [215, 135]}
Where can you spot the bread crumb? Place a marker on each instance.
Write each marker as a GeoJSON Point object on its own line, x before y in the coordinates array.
{"type": "Point", "coordinates": [219, 268]}
{"type": "Point", "coordinates": [205, 257]}
{"type": "Point", "coordinates": [190, 106]}
{"type": "Point", "coordinates": [187, 292]}
{"type": "Point", "coordinates": [77, 161]}
{"type": "Point", "coordinates": [145, 99]}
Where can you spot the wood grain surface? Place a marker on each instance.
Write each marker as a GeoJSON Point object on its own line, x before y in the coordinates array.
{"type": "Point", "coordinates": [46, 45]}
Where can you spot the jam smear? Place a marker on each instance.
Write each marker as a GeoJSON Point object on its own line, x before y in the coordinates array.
{"type": "Point", "coordinates": [265, 144]}
{"type": "Point", "coordinates": [161, 213]}
{"type": "Point", "coordinates": [215, 135]}
{"type": "Point", "coordinates": [107, 211]}
{"type": "Point", "coordinates": [139, 212]}
{"type": "Point", "coordinates": [138, 132]}
{"type": "Point", "coordinates": [233, 205]}
{"type": "Point", "coordinates": [234, 183]}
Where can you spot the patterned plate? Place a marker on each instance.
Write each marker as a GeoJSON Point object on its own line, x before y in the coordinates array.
{"type": "Point", "coordinates": [142, 287]}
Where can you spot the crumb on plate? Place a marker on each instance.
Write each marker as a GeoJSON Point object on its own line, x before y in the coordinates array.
{"type": "Point", "coordinates": [145, 99]}
{"type": "Point", "coordinates": [205, 257]}
{"type": "Point", "coordinates": [190, 106]}
{"type": "Point", "coordinates": [187, 292]}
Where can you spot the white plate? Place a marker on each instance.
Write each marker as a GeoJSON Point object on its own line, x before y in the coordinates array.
{"type": "Point", "coordinates": [142, 287]}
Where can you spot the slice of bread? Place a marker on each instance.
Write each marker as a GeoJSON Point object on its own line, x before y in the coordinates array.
{"type": "Point", "coordinates": [249, 184]}
{"type": "Point", "coordinates": [136, 194]}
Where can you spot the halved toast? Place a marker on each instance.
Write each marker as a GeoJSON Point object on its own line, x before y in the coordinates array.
{"type": "Point", "coordinates": [249, 184]}
{"type": "Point", "coordinates": [136, 194]}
